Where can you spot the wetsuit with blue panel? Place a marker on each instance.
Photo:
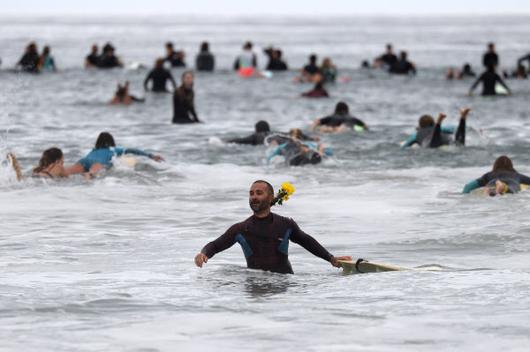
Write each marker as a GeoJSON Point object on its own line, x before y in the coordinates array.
{"type": "Point", "coordinates": [437, 136]}
{"type": "Point", "coordinates": [265, 242]}
{"type": "Point", "coordinates": [104, 156]}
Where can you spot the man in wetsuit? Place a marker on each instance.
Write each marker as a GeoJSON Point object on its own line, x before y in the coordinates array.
{"type": "Point", "coordinates": [92, 59]}
{"type": "Point", "coordinates": [522, 59]}
{"type": "Point", "coordinates": [341, 118]}
{"type": "Point", "coordinates": [388, 59]}
{"type": "Point", "coordinates": [264, 237]}
{"type": "Point", "coordinates": [403, 66]}
{"type": "Point", "coordinates": [205, 61]}
{"type": "Point", "coordinates": [175, 58]}
{"type": "Point", "coordinates": [109, 59]}
{"type": "Point", "coordinates": [29, 62]}
{"type": "Point", "coordinates": [275, 60]}
{"type": "Point", "coordinates": [262, 130]}
{"type": "Point", "coordinates": [489, 79]}
{"type": "Point", "coordinates": [159, 75]}
{"type": "Point", "coordinates": [490, 58]}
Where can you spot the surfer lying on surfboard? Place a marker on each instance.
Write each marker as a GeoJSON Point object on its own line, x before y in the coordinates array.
{"type": "Point", "coordinates": [264, 237]}
{"type": "Point", "coordinates": [51, 165]}
{"type": "Point", "coordinates": [500, 180]}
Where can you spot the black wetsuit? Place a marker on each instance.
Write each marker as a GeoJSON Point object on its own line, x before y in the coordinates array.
{"type": "Point", "coordinates": [276, 65]}
{"type": "Point", "coordinates": [205, 61]}
{"type": "Point", "coordinates": [403, 67]}
{"type": "Point", "coordinates": [489, 79]}
{"type": "Point", "coordinates": [29, 62]}
{"type": "Point", "coordinates": [433, 137]}
{"type": "Point", "coordinates": [389, 59]}
{"type": "Point", "coordinates": [184, 106]}
{"type": "Point", "coordinates": [175, 60]}
{"type": "Point", "coordinates": [159, 76]}
{"type": "Point", "coordinates": [265, 242]}
{"type": "Point", "coordinates": [311, 69]}
{"type": "Point", "coordinates": [256, 138]}
{"type": "Point", "coordinates": [93, 59]}
{"type": "Point", "coordinates": [337, 120]}
{"type": "Point", "coordinates": [108, 61]}
{"type": "Point", "coordinates": [490, 59]}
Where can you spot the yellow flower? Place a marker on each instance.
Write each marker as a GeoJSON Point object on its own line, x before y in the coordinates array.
{"type": "Point", "coordinates": [288, 188]}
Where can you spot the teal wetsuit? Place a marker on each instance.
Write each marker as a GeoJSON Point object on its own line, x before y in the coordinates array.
{"type": "Point", "coordinates": [104, 156]}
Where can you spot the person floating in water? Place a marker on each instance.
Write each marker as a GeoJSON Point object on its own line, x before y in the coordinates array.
{"type": "Point", "coordinates": [403, 66]}
{"type": "Point", "coordinates": [159, 76]}
{"type": "Point", "coordinates": [122, 96]}
{"type": "Point", "coordinates": [489, 80]}
{"type": "Point", "coordinates": [262, 130]}
{"type": "Point", "coordinates": [466, 72]}
{"type": "Point", "coordinates": [500, 180]}
{"type": "Point", "coordinates": [318, 91]}
{"type": "Point", "coordinates": [328, 70]}
{"type": "Point", "coordinates": [102, 155]}
{"type": "Point", "coordinates": [246, 63]}
{"type": "Point", "coordinates": [205, 61]}
{"type": "Point", "coordinates": [175, 58]}
{"type": "Point", "coordinates": [184, 101]}
{"type": "Point", "coordinates": [29, 62]}
{"type": "Point", "coordinates": [296, 148]}
{"type": "Point", "coordinates": [51, 165]}
{"type": "Point", "coordinates": [310, 72]}
{"type": "Point", "coordinates": [108, 58]}
{"type": "Point", "coordinates": [386, 60]}
{"type": "Point", "coordinates": [490, 58]}
{"type": "Point", "coordinates": [46, 60]}
{"type": "Point", "coordinates": [432, 135]}
{"type": "Point", "coordinates": [340, 121]}
{"type": "Point", "coordinates": [264, 237]}
{"type": "Point", "coordinates": [276, 62]}
{"type": "Point", "coordinates": [92, 59]}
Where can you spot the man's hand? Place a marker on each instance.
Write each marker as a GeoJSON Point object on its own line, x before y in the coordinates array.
{"type": "Point", "coordinates": [157, 158]}
{"type": "Point", "coordinates": [335, 260]}
{"type": "Point", "coordinates": [200, 259]}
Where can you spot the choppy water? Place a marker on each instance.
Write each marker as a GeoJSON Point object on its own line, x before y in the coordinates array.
{"type": "Point", "coordinates": [107, 265]}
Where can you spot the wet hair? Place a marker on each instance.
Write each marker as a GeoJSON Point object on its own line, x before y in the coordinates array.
{"type": "Point", "coordinates": [279, 53]}
{"type": "Point", "coordinates": [46, 50]}
{"type": "Point", "coordinates": [270, 189]}
{"type": "Point", "coordinates": [105, 140]}
{"type": "Point", "coordinates": [159, 62]}
{"type": "Point", "coordinates": [341, 108]}
{"type": "Point", "coordinates": [248, 45]}
{"type": "Point", "coordinates": [426, 121]}
{"type": "Point", "coordinates": [262, 126]}
{"type": "Point", "coordinates": [403, 55]}
{"type": "Point", "coordinates": [49, 156]}
{"type": "Point", "coordinates": [389, 46]}
{"type": "Point", "coordinates": [503, 163]}
{"type": "Point", "coordinates": [205, 46]}
{"type": "Point", "coordinates": [296, 133]}
{"type": "Point", "coordinates": [121, 92]}
{"type": "Point", "coordinates": [169, 45]}
{"type": "Point", "coordinates": [313, 58]}
{"type": "Point", "coordinates": [186, 73]}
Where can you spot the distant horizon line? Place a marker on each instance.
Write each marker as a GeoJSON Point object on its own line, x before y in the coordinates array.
{"type": "Point", "coordinates": [262, 15]}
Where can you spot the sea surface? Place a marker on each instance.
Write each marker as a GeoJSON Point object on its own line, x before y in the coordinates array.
{"type": "Point", "coordinates": [107, 264]}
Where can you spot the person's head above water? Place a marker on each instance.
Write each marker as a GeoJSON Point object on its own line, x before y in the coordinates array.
{"type": "Point", "coordinates": [169, 47]}
{"type": "Point", "coordinates": [94, 49]}
{"type": "Point", "coordinates": [247, 46]}
{"type": "Point", "coordinates": [503, 163]}
{"type": "Point", "coordinates": [262, 126]}
{"type": "Point", "coordinates": [205, 47]}
{"type": "Point", "coordinates": [491, 47]}
{"type": "Point", "coordinates": [187, 79]}
{"type": "Point", "coordinates": [313, 59]}
{"type": "Point", "coordinates": [46, 50]}
{"type": "Point", "coordinates": [389, 48]}
{"type": "Point", "coordinates": [48, 158]}
{"type": "Point", "coordinates": [261, 196]}
{"type": "Point", "coordinates": [31, 48]}
{"type": "Point", "coordinates": [426, 121]}
{"type": "Point", "coordinates": [105, 140]}
{"type": "Point", "coordinates": [159, 63]}
{"type": "Point", "coordinates": [341, 108]}
{"type": "Point", "coordinates": [403, 55]}
{"type": "Point", "coordinates": [295, 133]}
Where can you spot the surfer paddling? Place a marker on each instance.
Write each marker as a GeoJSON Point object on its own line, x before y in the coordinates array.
{"type": "Point", "coordinates": [264, 237]}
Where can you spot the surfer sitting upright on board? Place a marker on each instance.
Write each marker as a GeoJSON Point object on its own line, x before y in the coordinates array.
{"type": "Point", "coordinates": [264, 237]}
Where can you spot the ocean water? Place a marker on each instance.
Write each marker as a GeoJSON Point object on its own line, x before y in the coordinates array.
{"type": "Point", "coordinates": [107, 265]}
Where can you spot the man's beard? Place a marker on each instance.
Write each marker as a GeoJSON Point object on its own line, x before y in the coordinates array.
{"type": "Point", "coordinates": [258, 206]}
